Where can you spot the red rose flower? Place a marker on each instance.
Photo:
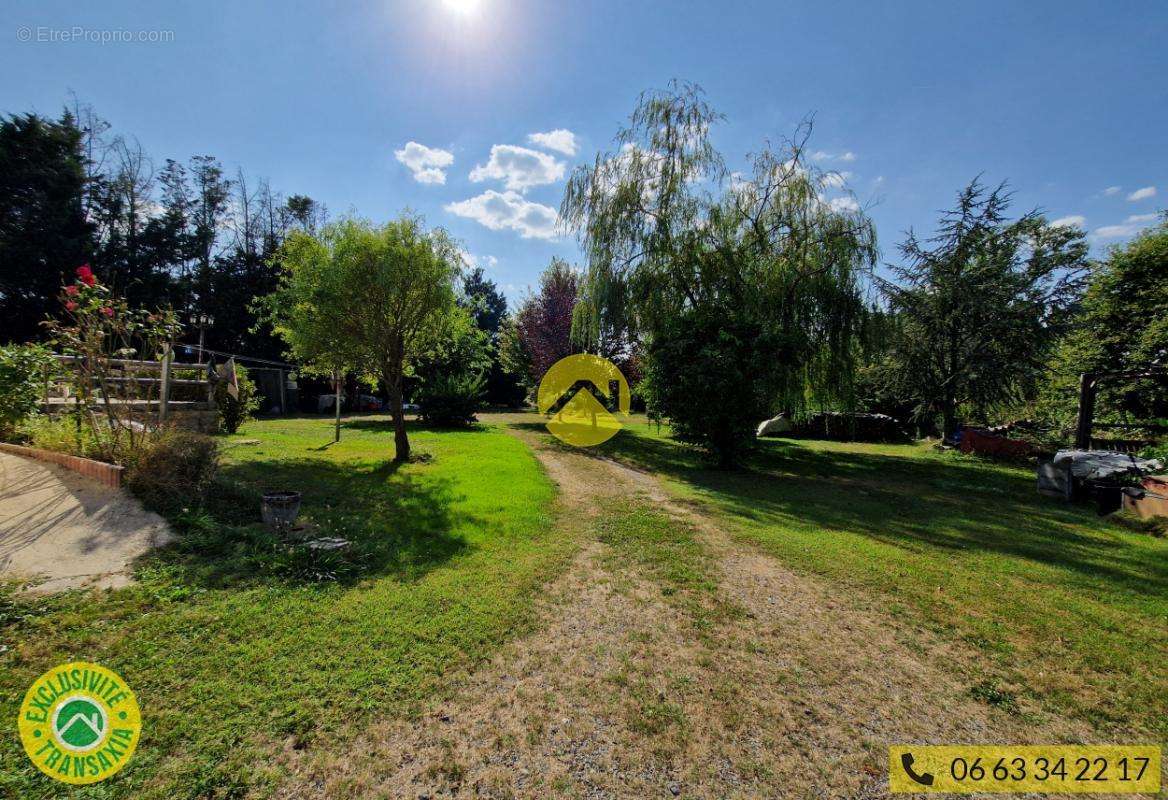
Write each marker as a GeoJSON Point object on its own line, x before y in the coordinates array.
{"type": "Point", "coordinates": [108, 311]}
{"type": "Point", "coordinates": [71, 290]}
{"type": "Point", "coordinates": [85, 275]}
{"type": "Point", "coordinates": [71, 306]}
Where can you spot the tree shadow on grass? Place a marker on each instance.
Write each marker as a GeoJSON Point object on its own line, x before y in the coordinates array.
{"type": "Point", "coordinates": [386, 426]}
{"type": "Point", "coordinates": [917, 502]}
{"type": "Point", "coordinates": [398, 523]}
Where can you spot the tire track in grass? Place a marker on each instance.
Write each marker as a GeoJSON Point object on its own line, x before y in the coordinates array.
{"type": "Point", "coordinates": [673, 661]}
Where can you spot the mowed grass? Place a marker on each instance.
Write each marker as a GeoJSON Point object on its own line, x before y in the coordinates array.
{"type": "Point", "coordinates": [1069, 612]}
{"type": "Point", "coordinates": [235, 650]}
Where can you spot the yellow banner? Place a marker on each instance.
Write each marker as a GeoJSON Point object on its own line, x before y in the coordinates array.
{"type": "Point", "coordinates": [1058, 768]}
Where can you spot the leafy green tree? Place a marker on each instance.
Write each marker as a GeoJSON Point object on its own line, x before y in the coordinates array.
{"type": "Point", "coordinates": [302, 310]}
{"type": "Point", "coordinates": [305, 212]}
{"type": "Point", "coordinates": [1122, 325]}
{"type": "Point", "coordinates": [978, 306]}
{"type": "Point", "coordinates": [452, 372]}
{"type": "Point", "coordinates": [374, 296]}
{"type": "Point", "coordinates": [513, 356]}
{"type": "Point", "coordinates": [744, 290]}
{"type": "Point", "coordinates": [22, 382]}
{"type": "Point", "coordinates": [489, 309]}
{"type": "Point", "coordinates": [44, 234]}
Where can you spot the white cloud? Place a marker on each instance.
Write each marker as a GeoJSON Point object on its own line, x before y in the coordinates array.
{"type": "Point", "coordinates": [473, 261]}
{"type": "Point", "coordinates": [1112, 190]}
{"type": "Point", "coordinates": [148, 209]}
{"type": "Point", "coordinates": [1130, 226]}
{"type": "Point", "coordinates": [508, 210]}
{"type": "Point", "coordinates": [823, 155]}
{"type": "Point", "coordinates": [839, 204]}
{"type": "Point", "coordinates": [835, 180]}
{"type": "Point", "coordinates": [561, 140]}
{"type": "Point", "coordinates": [1142, 194]}
{"type": "Point", "coordinates": [1073, 221]}
{"type": "Point", "coordinates": [428, 164]}
{"type": "Point", "coordinates": [1115, 231]}
{"type": "Point", "coordinates": [518, 167]}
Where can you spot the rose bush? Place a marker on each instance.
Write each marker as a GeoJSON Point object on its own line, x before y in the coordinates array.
{"type": "Point", "coordinates": [96, 331]}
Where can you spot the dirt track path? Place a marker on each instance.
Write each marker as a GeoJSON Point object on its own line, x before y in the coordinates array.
{"type": "Point", "coordinates": [619, 694]}
{"type": "Point", "coordinates": [59, 530]}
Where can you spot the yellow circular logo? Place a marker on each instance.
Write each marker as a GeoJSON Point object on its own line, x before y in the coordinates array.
{"type": "Point", "coordinates": [577, 392]}
{"type": "Point", "coordinates": [79, 723]}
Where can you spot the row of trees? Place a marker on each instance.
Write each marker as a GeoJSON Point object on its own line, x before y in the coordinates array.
{"type": "Point", "coordinates": [734, 297]}
{"type": "Point", "coordinates": [180, 235]}
{"type": "Point", "coordinates": [724, 297]}
{"type": "Point", "coordinates": [728, 298]}
{"type": "Point", "coordinates": [183, 236]}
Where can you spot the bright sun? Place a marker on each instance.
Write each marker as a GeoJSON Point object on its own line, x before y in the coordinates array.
{"type": "Point", "coordinates": [462, 7]}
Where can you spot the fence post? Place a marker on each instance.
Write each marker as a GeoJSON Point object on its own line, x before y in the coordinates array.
{"type": "Point", "coordinates": [164, 388]}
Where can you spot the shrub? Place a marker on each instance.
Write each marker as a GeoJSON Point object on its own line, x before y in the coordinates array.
{"type": "Point", "coordinates": [173, 470]}
{"type": "Point", "coordinates": [233, 411]}
{"type": "Point", "coordinates": [21, 383]}
{"type": "Point", "coordinates": [451, 400]}
{"type": "Point", "coordinates": [703, 374]}
{"type": "Point", "coordinates": [66, 433]}
{"type": "Point", "coordinates": [1158, 451]}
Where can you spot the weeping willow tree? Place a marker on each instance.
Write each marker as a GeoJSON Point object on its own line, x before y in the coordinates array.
{"type": "Point", "coordinates": [744, 290]}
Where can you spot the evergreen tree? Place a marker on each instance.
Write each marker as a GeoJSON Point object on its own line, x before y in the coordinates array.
{"type": "Point", "coordinates": [488, 308]}
{"type": "Point", "coordinates": [978, 306]}
{"type": "Point", "coordinates": [44, 234]}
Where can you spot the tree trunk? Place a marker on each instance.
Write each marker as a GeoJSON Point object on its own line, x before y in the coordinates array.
{"type": "Point", "coordinates": [401, 442]}
{"type": "Point", "coordinates": [336, 405]}
{"type": "Point", "coordinates": [948, 418]}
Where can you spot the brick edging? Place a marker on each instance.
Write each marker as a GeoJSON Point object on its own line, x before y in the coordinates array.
{"type": "Point", "coordinates": [108, 474]}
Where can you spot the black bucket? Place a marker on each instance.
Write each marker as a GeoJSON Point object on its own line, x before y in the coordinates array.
{"type": "Point", "coordinates": [279, 509]}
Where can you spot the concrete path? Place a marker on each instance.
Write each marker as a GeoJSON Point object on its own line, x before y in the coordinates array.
{"type": "Point", "coordinates": [60, 531]}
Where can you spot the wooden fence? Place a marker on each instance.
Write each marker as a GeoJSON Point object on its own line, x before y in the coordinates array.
{"type": "Point", "coordinates": [140, 388]}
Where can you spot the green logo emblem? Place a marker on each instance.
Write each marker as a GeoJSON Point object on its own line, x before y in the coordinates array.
{"type": "Point", "coordinates": [79, 722]}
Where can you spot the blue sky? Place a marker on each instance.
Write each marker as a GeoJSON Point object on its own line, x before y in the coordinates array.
{"type": "Point", "coordinates": [1065, 100]}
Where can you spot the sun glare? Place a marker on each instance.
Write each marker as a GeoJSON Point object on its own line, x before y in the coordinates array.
{"type": "Point", "coordinates": [462, 7]}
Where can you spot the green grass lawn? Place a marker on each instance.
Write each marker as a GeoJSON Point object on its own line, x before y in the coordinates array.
{"type": "Point", "coordinates": [235, 648]}
{"type": "Point", "coordinates": [1069, 610]}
